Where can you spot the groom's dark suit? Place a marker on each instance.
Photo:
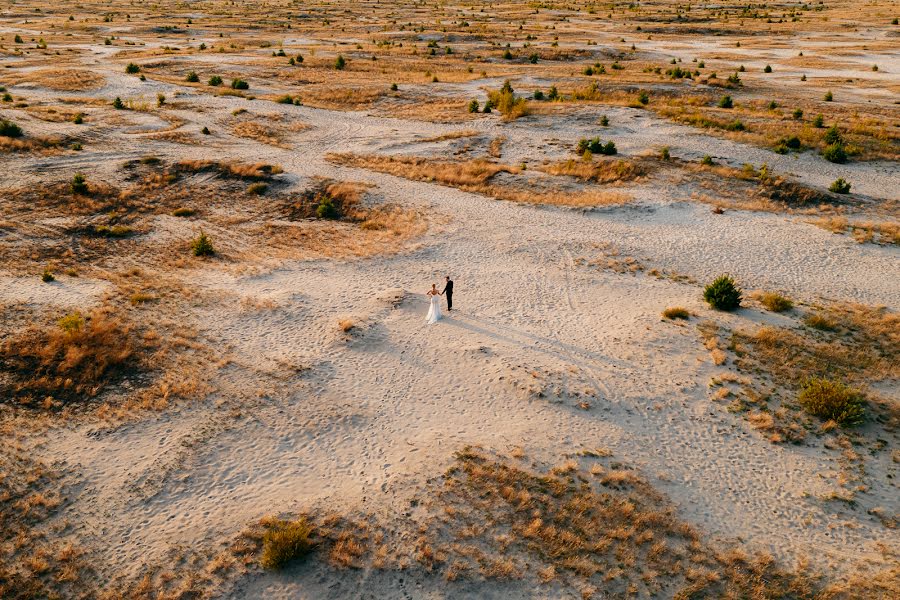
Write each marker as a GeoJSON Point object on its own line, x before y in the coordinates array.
{"type": "Point", "coordinates": [448, 291]}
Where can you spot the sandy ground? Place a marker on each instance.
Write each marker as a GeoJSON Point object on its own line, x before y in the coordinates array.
{"type": "Point", "coordinates": [362, 422]}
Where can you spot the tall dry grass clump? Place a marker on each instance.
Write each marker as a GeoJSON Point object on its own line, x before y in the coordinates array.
{"type": "Point", "coordinates": [284, 542]}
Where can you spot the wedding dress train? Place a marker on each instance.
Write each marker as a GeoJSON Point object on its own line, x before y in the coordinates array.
{"type": "Point", "coordinates": [434, 311]}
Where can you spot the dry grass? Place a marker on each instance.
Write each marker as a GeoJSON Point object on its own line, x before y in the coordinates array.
{"type": "Point", "coordinates": [676, 312]}
{"type": "Point", "coordinates": [60, 80]}
{"type": "Point", "coordinates": [77, 359]}
{"type": "Point", "coordinates": [774, 301]}
{"type": "Point", "coordinates": [863, 232]}
{"type": "Point", "coordinates": [475, 176]}
{"type": "Point", "coordinates": [602, 171]}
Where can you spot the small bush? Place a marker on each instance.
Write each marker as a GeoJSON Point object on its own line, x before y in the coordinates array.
{"type": "Point", "coordinates": [132, 68]}
{"type": "Point", "coordinates": [239, 84]}
{"type": "Point", "coordinates": [819, 122]}
{"type": "Point", "coordinates": [286, 541]}
{"type": "Point", "coordinates": [726, 102]}
{"type": "Point", "coordinates": [215, 81]}
{"type": "Point", "coordinates": [78, 119]}
{"type": "Point", "coordinates": [118, 104]}
{"type": "Point", "coordinates": [79, 184]}
{"type": "Point", "coordinates": [205, 131]}
{"type": "Point", "coordinates": [47, 276]}
{"type": "Point", "coordinates": [676, 312]}
{"type": "Point", "coordinates": [473, 106]}
{"type": "Point", "coordinates": [340, 64]}
{"type": "Point", "coordinates": [829, 97]}
{"type": "Point", "coordinates": [192, 77]}
{"type": "Point", "coordinates": [286, 99]}
{"type": "Point", "coordinates": [72, 322]}
{"type": "Point", "coordinates": [9, 129]}
{"type": "Point", "coordinates": [798, 113]}
{"type": "Point", "coordinates": [664, 153]}
{"type": "Point", "coordinates": [183, 212]}
{"type": "Point", "coordinates": [835, 153]}
{"type": "Point", "coordinates": [160, 99]}
{"type": "Point", "coordinates": [202, 246]}
{"type": "Point", "coordinates": [839, 186]}
{"type": "Point", "coordinates": [775, 302]}
{"type": "Point", "coordinates": [833, 401]}
{"type": "Point", "coordinates": [723, 293]}
{"type": "Point", "coordinates": [643, 97]}
{"type": "Point", "coordinates": [768, 69]}
{"type": "Point", "coordinates": [327, 210]}
{"type": "Point", "coordinates": [707, 160]}
{"type": "Point", "coordinates": [604, 121]}
{"type": "Point", "coordinates": [833, 136]}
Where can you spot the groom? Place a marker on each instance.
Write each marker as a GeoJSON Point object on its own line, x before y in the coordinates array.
{"type": "Point", "coordinates": [448, 290]}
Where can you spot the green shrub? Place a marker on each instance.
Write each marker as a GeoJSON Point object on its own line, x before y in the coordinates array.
{"type": "Point", "coordinates": [736, 125]}
{"type": "Point", "coordinates": [839, 186]}
{"type": "Point", "coordinates": [202, 246]}
{"type": "Point", "coordinates": [205, 131]}
{"type": "Point", "coordinates": [286, 99]}
{"type": "Point", "coordinates": [9, 129]}
{"type": "Point", "coordinates": [775, 302]}
{"type": "Point", "coordinates": [183, 212]}
{"type": "Point", "coordinates": [326, 209]}
{"type": "Point", "coordinates": [285, 541]}
{"type": "Point", "coordinates": [835, 153]}
{"type": "Point", "coordinates": [473, 106]}
{"type": "Point", "coordinates": [819, 122]}
{"type": "Point", "coordinates": [723, 293]}
{"type": "Point", "coordinates": [798, 113]}
{"type": "Point", "coordinates": [707, 160]}
{"type": "Point", "coordinates": [664, 153]}
{"type": "Point", "coordinates": [394, 87]}
{"type": "Point", "coordinates": [113, 231]}
{"type": "Point", "coordinates": [726, 102]}
{"type": "Point", "coordinates": [18, 39]}
{"type": "Point", "coordinates": [340, 63]}
{"type": "Point", "coordinates": [239, 84]}
{"type": "Point", "coordinates": [118, 104]}
{"type": "Point", "coordinates": [604, 121]}
{"type": "Point", "coordinates": [78, 119]}
{"type": "Point", "coordinates": [643, 97]}
{"type": "Point", "coordinates": [507, 55]}
{"type": "Point", "coordinates": [132, 68]}
{"type": "Point", "coordinates": [538, 95]}
{"type": "Point", "coordinates": [72, 322]}
{"type": "Point", "coordinates": [47, 276]}
{"type": "Point", "coordinates": [768, 69]}
{"type": "Point", "coordinates": [832, 401]}
{"type": "Point", "coordinates": [595, 146]}
{"type": "Point", "coordinates": [833, 136]}
{"type": "Point", "coordinates": [215, 81]}
{"type": "Point", "coordinates": [192, 77]}
{"type": "Point", "coordinates": [79, 184]}
{"type": "Point", "coordinates": [258, 188]}
{"type": "Point", "coordinates": [829, 97]}
{"type": "Point", "coordinates": [160, 99]}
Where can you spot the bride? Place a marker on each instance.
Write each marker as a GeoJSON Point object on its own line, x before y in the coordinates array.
{"type": "Point", "coordinates": [434, 311]}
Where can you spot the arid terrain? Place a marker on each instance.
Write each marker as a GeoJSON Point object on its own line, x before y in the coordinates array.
{"type": "Point", "coordinates": [673, 365]}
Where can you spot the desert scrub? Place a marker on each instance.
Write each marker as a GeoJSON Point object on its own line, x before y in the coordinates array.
{"type": "Point", "coordinates": [258, 189]}
{"type": "Point", "coordinates": [676, 312]}
{"type": "Point", "coordinates": [202, 245]}
{"type": "Point", "coordinates": [775, 302]}
{"type": "Point", "coordinates": [132, 68]}
{"type": "Point", "coordinates": [285, 541]}
{"type": "Point", "coordinates": [9, 129]}
{"type": "Point", "coordinates": [326, 209]}
{"type": "Point", "coordinates": [832, 401]}
{"type": "Point", "coordinates": [840, 186]}
{"type": "Point", "coordinates": [215, 81]}
{"type": "Point", "coordinates": [79, 185]}
{"type": "Point", "coordinates": [76, 359]}
{"type": "Point", "coordinates": [723, 293]}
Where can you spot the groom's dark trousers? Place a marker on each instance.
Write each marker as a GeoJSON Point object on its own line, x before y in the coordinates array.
{"type": "Point", "coordinates": [448, 291]}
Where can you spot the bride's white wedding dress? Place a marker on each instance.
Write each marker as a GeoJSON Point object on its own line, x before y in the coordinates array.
{"type": "Point", "coordinates": [434, 310]}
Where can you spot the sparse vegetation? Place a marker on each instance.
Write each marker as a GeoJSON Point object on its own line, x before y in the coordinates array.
{"type": "Point", "coordinates": [832, 401]}
{"type": "Point", "coordinates": [676, 312]}
{"type": "Point", "coordinates": [839, 186]}
{"type": "Point", "coordinates": [775, 302]}
{"type": "Point", "coordinates": [202, 245]}
{"type": "Point", "coordinates": [284, 542]}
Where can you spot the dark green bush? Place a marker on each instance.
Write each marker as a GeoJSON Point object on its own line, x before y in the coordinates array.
{"type": "Point", "coordinates": [118, 104]}
{"type": "Point", "coordinates": [835, 153]}
{"type": "Point", "coordinates": [132, 68]}
{"type": "Point", "coordinates": [473, 106]}
{"type": "Point", "coordinates": [79, 184]}
{"type": "Point", "coordinates": [643, 97]}
{"type": "Point", "coordinates": [340, 63]}
{"type": "Point", "coordinates": [833, 401]}
{"type": "Point", "coordinates": [215, 81]}
{"type": "Point", "coordinates": [239, 84]}
{"type": "Point", "coordinates": [326, 209]}
{"type": "Point", "coordinates": [202, 246]}
{"type": "Point", "coordinates": [726, 102]}
{"type": "Point", "coordinates": [9, 129]}
{"type": "Point", "coordinates": [192, 77]}
{"type": "Point", "coordinates": [723, 293]}
{"type": "Point", "coordinates": [840, 186]}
